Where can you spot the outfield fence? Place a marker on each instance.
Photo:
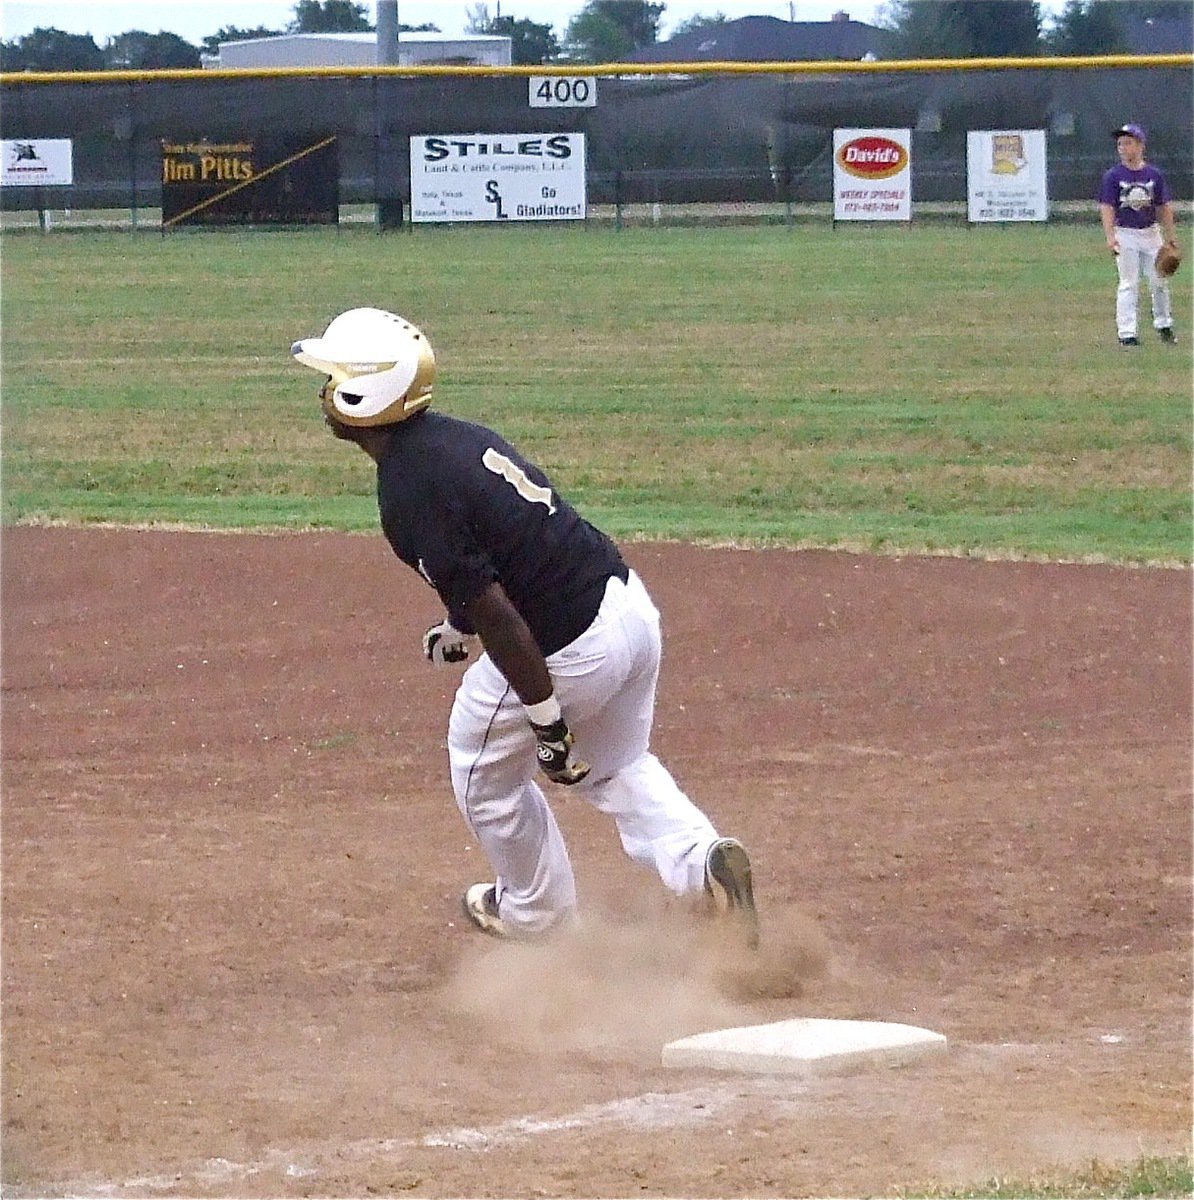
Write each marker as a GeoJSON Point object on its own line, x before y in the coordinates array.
{"type": "Point", "coordinates": [748, 140]}
{"type": "Point", "coordinates": [629, 215]}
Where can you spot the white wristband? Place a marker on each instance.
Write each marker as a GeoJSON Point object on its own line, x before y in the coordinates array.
{"type": "Point", "coordinates": [546, 712]}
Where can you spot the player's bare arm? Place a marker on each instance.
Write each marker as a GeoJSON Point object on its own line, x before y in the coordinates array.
{"type": "Point", "coordinates": [510, 645]}
{"type": "Point", "coordinates": [508, 641]}
{"type": "Point", "coordinates": [1168, 222]}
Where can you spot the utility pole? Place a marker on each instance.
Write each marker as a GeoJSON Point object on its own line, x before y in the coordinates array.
{"type": "Point", "coordinates": [389, 205]}
{"type": "Point", "coordinates": [387, 32]}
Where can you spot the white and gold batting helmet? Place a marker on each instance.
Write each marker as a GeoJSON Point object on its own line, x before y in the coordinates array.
{"type": "Point", "coordinates": [381, 367]}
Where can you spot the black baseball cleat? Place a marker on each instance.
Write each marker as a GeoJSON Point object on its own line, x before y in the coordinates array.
{"type": "Point", "coordinates": [728, 882]}
{"type": "Point", "coordinates": [1167, 335]}
{"type": "Point", "coordinates": [1130, 341]}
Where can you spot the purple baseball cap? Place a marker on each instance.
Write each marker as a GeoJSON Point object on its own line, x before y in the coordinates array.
{"type": "Point", "coordinates": [1130, 130]}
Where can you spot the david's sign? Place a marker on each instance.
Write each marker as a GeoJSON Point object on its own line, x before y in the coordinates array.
{"type": "Point", "coordinates": [872, 174]}
{"type": "Point", "coordinates": [872, 157]}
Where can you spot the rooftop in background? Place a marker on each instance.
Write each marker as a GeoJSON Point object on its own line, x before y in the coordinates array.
{"type": "Point", "coordinates": [360, 49]}
{"type": "Point", "coordinates": [768, 39]}
{"type": "Point", "coordinates": [1159, 35]}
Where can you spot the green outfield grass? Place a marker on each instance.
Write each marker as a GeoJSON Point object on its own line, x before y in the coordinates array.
{"type": "Point", "coordinates": [1148, 1176]}
{"type": "Point", "coordinates": [912, 388]}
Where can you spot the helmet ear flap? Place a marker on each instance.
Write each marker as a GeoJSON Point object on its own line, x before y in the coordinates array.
{"type": "Point", "coordinates": [328, 398]}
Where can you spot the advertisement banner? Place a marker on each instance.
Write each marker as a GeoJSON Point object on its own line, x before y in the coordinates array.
{"type": "Point", "coordinates": [250, 182]}
{"type": "Point", "coordinates": [872, 174]}
{"type": "Point", "coordinates": [1005, 175]}
{"type": "Point", "coordinates": [36, 162]}
{"type": "Point", "coordinates": [498, 177]}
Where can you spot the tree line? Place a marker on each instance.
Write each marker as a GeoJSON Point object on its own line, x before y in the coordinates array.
{"type": "Point", "coordinates": [612, 30]}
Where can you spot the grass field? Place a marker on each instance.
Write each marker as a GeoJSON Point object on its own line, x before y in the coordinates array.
{"type": "Point", "coordinates": [878, 388]}
{"type": "Point", "coordinates": [1145, 1177]}
{"type": "Point", "coordinates": [911, 388]}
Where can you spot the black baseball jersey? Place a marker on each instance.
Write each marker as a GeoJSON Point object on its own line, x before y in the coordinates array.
{"type": "Point", "coordinates": [465, 509]}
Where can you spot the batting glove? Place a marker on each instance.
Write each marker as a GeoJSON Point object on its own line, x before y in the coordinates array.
{"type": "Point", "coordinates": [443, 644]}
{"type": "Point", "coordinates": [553, 747]}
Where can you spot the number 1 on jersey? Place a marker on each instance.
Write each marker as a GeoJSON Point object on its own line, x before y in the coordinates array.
{"type": "Point", "coordinates": [517, 478]}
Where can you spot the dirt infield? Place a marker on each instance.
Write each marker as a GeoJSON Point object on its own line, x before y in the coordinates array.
{"type": "Point", "coordinates": [234, 966]}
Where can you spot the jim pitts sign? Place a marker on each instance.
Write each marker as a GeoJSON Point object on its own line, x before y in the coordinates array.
{"type": "Point", "coordinates": [498, 177]}
{"type": "Point", "coordinates": [254, 181]}
{"type": "Point", "coordinates": [872, 175]}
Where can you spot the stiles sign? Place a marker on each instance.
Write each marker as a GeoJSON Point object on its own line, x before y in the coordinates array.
{"type": "Point", "coordinates": [250, 182]}
{"type": "Point", "coordinates": [498, 177]}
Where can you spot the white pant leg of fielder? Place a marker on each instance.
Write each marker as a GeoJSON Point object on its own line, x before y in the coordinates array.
{"type": "Point", "coordinates": [1162, 304]}
{"type": "Point", "coordinates": [605, 681]}
{"type": "Point", "coordinates": [1158, 287]}
{"type": "Point", "coordinates": [1138, 254]}
{"type": "Point", "coordinates": [1127, 295]}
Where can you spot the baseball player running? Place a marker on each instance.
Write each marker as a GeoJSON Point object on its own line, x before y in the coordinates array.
{"type": "Point", "coordinates": [569, 640]}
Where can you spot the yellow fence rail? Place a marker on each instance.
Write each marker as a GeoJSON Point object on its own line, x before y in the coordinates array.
{"type": "Point", "coordinates": [826, 67]}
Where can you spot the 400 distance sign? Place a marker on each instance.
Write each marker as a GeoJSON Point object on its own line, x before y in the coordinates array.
{"type": "Point", "coordinates": [562, 91]}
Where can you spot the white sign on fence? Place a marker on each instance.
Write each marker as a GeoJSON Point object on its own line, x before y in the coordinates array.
{"type": "Point", "coordinates": [872, 174]}
{"type": "Point", "coordinates": [562, 91]}
{"type": "Point", "coordinates": [497, 177]}
{"type": "Point", "coordinates": [1006, 178]}
{"type": "Point", "coordinates": [36, 162]}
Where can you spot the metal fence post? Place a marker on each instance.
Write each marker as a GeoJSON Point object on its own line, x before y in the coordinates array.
{"type": "Point", "coordinates": [132, 109]}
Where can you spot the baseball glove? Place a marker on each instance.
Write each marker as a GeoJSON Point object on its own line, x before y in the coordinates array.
{"type": "Point", "coordinates": [1169, 258]}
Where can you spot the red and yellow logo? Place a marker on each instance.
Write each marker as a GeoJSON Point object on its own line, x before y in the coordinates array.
{"type": "Point", "coordinates": [872, 157]}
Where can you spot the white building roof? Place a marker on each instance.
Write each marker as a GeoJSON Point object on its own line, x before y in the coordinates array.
{"type": "Point", "coordinates": [354, 49]}
{"type": "Point", "coordinates": [371, 38]}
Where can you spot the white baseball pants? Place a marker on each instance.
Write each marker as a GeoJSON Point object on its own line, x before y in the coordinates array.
{"type": "Point", "coordinates": [1138, 253]}
{"type": "Point", "coordinates": [605, 682]}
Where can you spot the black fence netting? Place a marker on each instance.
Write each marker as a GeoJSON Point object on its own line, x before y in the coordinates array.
{"type": "Point", "coordinates": [662, 138]}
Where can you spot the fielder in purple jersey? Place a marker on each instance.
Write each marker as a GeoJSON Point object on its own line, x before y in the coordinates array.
{"type": "Point", "coordinates": [1136, 209]}
{"type": "Point", "coordinates": [569, 639]}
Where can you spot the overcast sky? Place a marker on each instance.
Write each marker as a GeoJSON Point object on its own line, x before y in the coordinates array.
{"type": "Point", "coordinates": [197, 19]}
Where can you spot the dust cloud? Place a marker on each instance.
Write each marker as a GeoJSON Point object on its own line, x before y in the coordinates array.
{"type": "Point", "coordinates": [608, 985]}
